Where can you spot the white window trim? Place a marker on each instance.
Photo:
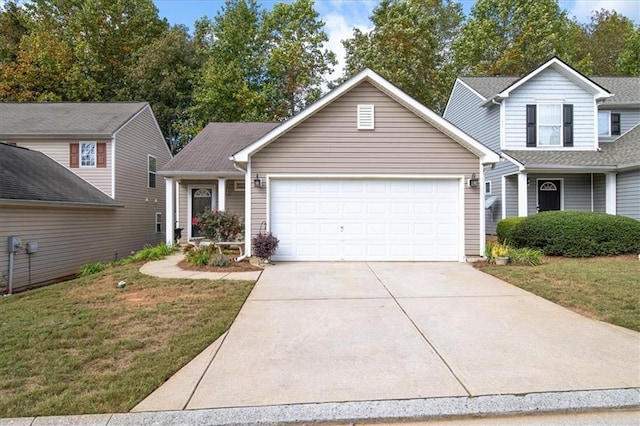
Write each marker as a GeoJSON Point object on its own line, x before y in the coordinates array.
{"type": "Point", "coordinates": [149, 156]}
{"type": "Point", "coordinates": [487, 187]}
{"type": "Point", "coordinates": [95, 155]}
{"type": "Point", "coordinates": [608, 135]}
{"type": "Point", "coordinates": [561, 191]}
{"type": "Point", "coordinates": [214, 204]}
{"type": "Point", "coordinates": [158, 222]}
{"type": "Point", "coordinates": [538, 125]}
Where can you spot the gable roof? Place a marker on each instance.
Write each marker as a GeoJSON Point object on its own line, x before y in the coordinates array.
{"type": "Point", "coordinates": [31, 177]}
{"type": "Point", "coordinates": [210, 150]}
{"type": "Point", "coordinates": [622, 154]}
{"type": "Point", "coordinates": [485, 154]}
{"type": "Point", "coordinates": [65, 119]}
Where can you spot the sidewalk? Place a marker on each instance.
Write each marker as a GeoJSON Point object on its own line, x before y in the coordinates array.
{"type": "Point", "coordinates": [168, 268]}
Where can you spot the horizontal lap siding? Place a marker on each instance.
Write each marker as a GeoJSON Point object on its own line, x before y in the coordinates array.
{"type": "Point", "coordinates": [550, 85]}
{"type": "Point", "coordinates": [67, 239]}
{"type": "Point", "coordinates": [235, 199]}
{"type": "Point", "coordinates": [134, 142]}
{"type": "Point", "coordinates": [628, 194]}
{"type": "Point", "coordinates": [59, 151]}
{"type": "Point", "coordinates": [511, 196]}
{"type": "Point", "coordinates": [401, 144]}
{"type": "Point", "coordinates": [599, 193]}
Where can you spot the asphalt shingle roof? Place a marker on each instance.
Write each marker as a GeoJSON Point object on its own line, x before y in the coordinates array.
{"type": "Point", "coordinates": [210, 150]}
{"type": "Point", "coordinates": [65, 118]}
{"type": "Point", "coordinates": [27, 175]}
{"type": "Point", "coordinates": [624, 152]}
{"type": "Point", "coordinates": [625, 89]}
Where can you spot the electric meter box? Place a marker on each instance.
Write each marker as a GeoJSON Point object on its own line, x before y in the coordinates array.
{"type": "Point", "coordinates": [32, 247]}
{"type": "Point", "coordinates": [15, 244]}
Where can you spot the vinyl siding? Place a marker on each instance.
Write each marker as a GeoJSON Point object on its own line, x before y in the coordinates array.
{"type": "Point", "coordinates": [67, 239]}
{"type": "Point", "coordinates": [59, 151]}
{"type": "Point", "coordinates": [599, 193]}
{"type": "Point", "coordinates": [629, 118]}
{"type": "Point", "coordinates": [401, 144]}
{"type": "Point", "coordinates": [465, 112]}
{"type": "Point", "coordinates": [628, 194]}
{"type": "Point", "coordinates": [494, 214]}
{"type": "Point", "coordinates": [134, 142]}
{"type": "Point", "coordinates": [550, 85]}
{"type": "Point", "coordinates": [235, 199]}
{"type": "Point", "coordinates": [511, 196]}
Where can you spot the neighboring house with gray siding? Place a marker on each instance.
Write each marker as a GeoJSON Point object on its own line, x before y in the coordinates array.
{"type": "Point", "coordinates": [566, 141]}
{"type": "Point", "coordinates": [114, 148]}
{"type": "Point", "coordinates": [365, 173]}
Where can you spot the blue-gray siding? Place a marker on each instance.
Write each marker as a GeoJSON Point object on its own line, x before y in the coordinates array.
{"type": "Point", "coordinates": [628, 194]}
{"type": "Point", "coordinates": [599, 193]}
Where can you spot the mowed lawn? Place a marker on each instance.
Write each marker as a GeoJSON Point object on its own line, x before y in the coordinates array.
{"type": "Point", "coordinates": [603, 288]}
{"type": "Point", "coordinates": [85, 346]}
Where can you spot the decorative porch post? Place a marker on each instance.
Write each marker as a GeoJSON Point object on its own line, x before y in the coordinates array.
{"type": "Point", "coordinates": [522, 194]}
{"type": "Point", "coordinates": [610, 191]}
{"type": "Point", "coordinates": [170, 222]}
{"type": "Point", "coordinates": [222, 194]}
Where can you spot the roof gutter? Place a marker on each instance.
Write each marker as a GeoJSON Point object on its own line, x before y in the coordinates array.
{"type": "Point", "coordinates": [178, 173]}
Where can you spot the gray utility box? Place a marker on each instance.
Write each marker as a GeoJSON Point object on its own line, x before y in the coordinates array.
{"type": "Point", "coordinates": [15, 244]}
{"type": "Point", "coordinates": [32, 247]}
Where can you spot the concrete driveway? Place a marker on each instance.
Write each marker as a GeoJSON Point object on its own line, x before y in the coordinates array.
{"type": "Point", "coordinates": [335, 332]}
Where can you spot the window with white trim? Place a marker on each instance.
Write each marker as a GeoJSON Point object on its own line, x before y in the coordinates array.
{"type": "Point", "coordinates": [487, 187]}
{"type": "Point", "coordinates": [87, 154]}
{"type": "Point", "coordinates": [549, 124]}
{"type": "Point", "coordinates": [151, 170]}
{"type": "Point", "coordinates": [608, 124]}
{"type": "Point", "coordinates": [158, 222]}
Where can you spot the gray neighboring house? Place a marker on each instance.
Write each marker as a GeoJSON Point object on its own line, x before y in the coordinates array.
{"type": "Point", "coordinates": [566, 141]}
{"type": "Point", "coordinates": [365, 173]}
{"type": "Point", "coordinates": [113, 205]}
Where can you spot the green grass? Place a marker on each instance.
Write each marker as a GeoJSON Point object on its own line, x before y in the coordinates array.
{"type": "Point", "coordinates": [85, 346]}
{"type": "Point", "coordinates": [605, 288]}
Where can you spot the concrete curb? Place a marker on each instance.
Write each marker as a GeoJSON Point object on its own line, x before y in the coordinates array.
{"type": "Point", "coordinates": [412, 409]}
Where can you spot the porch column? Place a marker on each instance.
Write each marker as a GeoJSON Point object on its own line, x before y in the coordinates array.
{"type": "Point", "coordinates": [170, 221]}
{"type": "Point", "coordinates": [522, 194]}
{"type": "Point", "coordinates": [610, 190]}
{"type": "Point", "coordinates": [222, 194]}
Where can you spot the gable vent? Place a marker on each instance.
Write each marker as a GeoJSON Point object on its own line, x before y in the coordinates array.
{"type": "Point", "coordinates": [365, 117]}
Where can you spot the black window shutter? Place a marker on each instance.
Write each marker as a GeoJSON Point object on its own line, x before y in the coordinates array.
{"type": "Point", "coordinates": [615, 123]}
{"type": "Point", "coordinates": [567, 124]}
{"type": "Point", "coordinates": [531, 125]}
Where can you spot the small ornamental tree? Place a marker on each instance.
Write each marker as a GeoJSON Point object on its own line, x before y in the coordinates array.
{"type": "Point", "coordinates": [216, 225]}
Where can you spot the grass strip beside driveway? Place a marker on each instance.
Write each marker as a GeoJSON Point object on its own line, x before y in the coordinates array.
{"type": "Point", "coordinates": [603, 288]}
{"type": "Point", "coordinates": [85, 346]}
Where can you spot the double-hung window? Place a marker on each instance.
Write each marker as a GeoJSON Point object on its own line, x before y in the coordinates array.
{"type": "Point", "coordinates": [608, 124]}
{"type": "Point", "coordinates": [87, 154]}
{"type": "Point", "coordinates": [549, 124]}
{"type": "Point", "coordinates": [151, 169]}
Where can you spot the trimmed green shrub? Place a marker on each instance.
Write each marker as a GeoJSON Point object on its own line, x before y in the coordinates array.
{"type": "Point", "coordinates": [506, 227]}
{"type": "Point", "coordinates": [578, 234]}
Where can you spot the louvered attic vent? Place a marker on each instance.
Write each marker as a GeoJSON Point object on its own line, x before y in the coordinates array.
{"type": "Point", "coordinates": [365, 117]}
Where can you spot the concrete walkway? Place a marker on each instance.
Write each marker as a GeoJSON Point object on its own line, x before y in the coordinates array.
{"type": "Point", "coordinates": [167, 268]}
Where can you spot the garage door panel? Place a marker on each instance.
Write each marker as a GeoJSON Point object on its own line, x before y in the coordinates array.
{"type": "Point", "coordinates": [337, 219]}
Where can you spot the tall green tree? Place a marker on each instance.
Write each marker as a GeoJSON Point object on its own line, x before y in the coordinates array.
{"type": "Point", "coordinates": [410, 44]}
{"type": "Point", "coordinates": [14, 23]}
{"type": "Point", "coordinates": [261, 65]}
{"type": "Point", "coordinates": [629, 60]}
{"type": "Point", "coordinates": [512, 37]}
{"type": "Point", "coordinates": [608, 35]}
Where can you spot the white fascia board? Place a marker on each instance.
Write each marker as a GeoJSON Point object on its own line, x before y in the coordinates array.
{"type": "Point", "coordinates": [486, 155]}
{"type": "Point", "coordinates": [513, 160]}
{"type": "Point", "coordinates": [599, 92]}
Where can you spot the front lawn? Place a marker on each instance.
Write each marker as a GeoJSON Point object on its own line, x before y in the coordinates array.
{"type": "Point", "coordinates": [85, 346]}
{"type": "Point", "coordinates": [604, 288]}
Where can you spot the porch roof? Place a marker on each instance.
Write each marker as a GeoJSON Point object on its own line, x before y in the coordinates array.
{"type": "Point", "coordinates": [209, 152]}
{"type": "Point", "coordinates": [621, 154]}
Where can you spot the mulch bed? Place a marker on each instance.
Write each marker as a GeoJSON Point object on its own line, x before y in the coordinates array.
{"type": "Point", "coordinates": [243, 266]}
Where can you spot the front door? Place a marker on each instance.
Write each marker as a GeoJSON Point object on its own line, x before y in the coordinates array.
{"type": "Point", "coordinates": [201, 198]}
{"type": "Point", "coordinates": [549, 194]}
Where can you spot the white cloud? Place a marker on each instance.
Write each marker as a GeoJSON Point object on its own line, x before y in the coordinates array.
{"type": "Point", "coordinates": [582, 9]}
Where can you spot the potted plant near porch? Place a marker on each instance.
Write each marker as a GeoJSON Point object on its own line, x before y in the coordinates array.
{"type": "Point", "coordinates": [500, 254]}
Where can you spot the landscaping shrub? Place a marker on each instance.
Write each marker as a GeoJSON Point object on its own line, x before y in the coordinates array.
{"type": "Point", "coordinates": [525, 256]}
{"type": "Point", "coordinates": [578, 234]}
{"type": "Point", "coordinates": [264, 245]}
{"type": "Point", "coordinates": [506, 228]}
{"type": "Point", "coordinates": [199, 256]}
{"type": "Point", "coordinates": [218, 225]}
{"type": "Point", "coordinates": [220, 260]}
{"type": "Point", "coordinates": [92, 268]}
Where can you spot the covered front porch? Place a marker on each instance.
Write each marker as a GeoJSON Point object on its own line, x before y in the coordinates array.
{"type": "Point", "coordinates": [187, 196]}
{"type": "Point", "coordinates": [531, 191]}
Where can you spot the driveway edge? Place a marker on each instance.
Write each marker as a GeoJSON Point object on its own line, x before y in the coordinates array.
{"type": "Point", "coordinates": [411, 409]}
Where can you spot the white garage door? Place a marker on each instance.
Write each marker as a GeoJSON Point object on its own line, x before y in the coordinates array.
{"type": "Point", "coordinates": [365, 219]}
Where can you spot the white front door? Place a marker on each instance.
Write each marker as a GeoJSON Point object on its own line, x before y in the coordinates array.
{"type": "Point", "coordinates": [365, 219]}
